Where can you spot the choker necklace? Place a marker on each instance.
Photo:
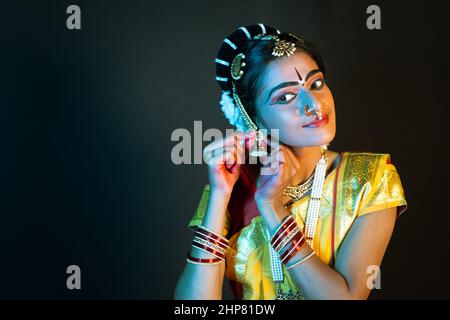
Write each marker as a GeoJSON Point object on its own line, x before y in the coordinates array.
{"type": "Point", "coordinates": [298, 191]}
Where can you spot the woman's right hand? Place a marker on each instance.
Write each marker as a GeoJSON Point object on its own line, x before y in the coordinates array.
{"type": "Point", "coordinates": [224, 158]}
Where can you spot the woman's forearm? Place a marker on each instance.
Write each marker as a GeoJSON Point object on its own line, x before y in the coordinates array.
{"type": "Point", "coordinates": [205, 281]}
{"type": "Point", "coordinates": [314, 278]}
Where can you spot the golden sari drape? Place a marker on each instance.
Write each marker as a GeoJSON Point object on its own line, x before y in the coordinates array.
{"type": "Point", "coordinates": [361, 183]}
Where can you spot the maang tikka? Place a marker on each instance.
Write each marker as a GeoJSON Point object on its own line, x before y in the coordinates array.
{"type": "Point", "coordinates": [281, 47]}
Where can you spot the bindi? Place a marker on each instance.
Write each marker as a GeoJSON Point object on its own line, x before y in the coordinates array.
{"type": "Point", "coordinates": [300, 79]}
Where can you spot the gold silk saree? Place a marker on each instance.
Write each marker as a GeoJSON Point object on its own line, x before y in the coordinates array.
{"type": "Point", "coordinates": [359, 184]}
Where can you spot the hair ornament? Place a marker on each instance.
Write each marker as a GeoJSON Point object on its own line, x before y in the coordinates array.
{"type": "Point", "coordinates": [236, 66]}
{"type": "Point", "coordinates": [281, 48]}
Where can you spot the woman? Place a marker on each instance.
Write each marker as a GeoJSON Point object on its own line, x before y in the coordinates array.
{"type": "Point", "coordinates": [317, 223]}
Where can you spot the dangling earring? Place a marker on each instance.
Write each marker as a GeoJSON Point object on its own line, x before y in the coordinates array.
{"type": "Point", "coordinates": [260, 150]}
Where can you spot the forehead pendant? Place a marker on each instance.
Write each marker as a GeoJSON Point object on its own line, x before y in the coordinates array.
{"type": "Point", "coordinates": [281, 47]}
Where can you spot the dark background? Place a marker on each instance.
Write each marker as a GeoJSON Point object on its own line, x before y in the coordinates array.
{"type": "Point", "coordinates": [86, 120]}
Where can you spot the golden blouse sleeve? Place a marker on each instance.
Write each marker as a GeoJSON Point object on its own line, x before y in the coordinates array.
{"type": "Point", "coordinates": [386, 191]}
{"type": "Point", "coordinates": [199, 214]}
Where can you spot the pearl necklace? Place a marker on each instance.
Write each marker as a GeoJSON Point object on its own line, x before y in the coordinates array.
{"type": "Point", "coordinates": [310, 225]}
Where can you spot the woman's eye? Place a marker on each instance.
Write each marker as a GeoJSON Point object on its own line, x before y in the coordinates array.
{"type": "Point", "coordinates": [285, 98]}
{"type": "Point", "coordinates": [317, 84]}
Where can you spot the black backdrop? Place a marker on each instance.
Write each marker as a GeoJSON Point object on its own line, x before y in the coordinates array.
{"type": "Point", "coordinates": [87, 116]}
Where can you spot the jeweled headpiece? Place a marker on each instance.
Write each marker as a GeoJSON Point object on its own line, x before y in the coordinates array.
{"type": "Point", "coordinates": [281, 47]}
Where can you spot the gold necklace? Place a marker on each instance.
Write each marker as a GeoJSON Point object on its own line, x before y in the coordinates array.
{"type": "Point", "coordinates": [298, 191]}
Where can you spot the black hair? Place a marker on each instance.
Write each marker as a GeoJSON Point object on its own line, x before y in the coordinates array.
{"type": "Point", "coordinates": [258, 54]}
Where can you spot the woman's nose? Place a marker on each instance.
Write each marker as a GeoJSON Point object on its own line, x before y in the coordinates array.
{"type": "Point", "coordinates": [307, 104]}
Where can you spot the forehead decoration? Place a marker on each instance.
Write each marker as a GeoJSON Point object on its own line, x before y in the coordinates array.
{"type": "Point", "coordinates": [281, 47]}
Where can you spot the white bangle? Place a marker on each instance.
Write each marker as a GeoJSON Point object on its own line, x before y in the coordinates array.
{"type": "Point", "coordinates": [301, 261]}
{"type": "Point", "coordinates": [204, 263]}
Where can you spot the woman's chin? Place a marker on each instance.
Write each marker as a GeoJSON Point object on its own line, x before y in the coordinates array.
{"type": "Point", "coordinates": [309, 140]}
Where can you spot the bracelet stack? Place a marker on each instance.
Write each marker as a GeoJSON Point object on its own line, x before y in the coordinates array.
{"type": "Point", "coordinates": [209, 242]}
{"type": "Point", "coordinates": [288, 236]}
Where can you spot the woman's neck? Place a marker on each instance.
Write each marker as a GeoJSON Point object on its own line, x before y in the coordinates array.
{"type": "Point", "coordinates": [307, 158]}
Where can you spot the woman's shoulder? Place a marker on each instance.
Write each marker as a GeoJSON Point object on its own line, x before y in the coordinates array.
{"type": "Point", "coordinates": [365, 161]}
{"type": "Point", "coordinates": [360, 168]}
{"type": "Point", "coordinates": [366, 155]}
{"type": "Point", "coordinates": [374, 178]}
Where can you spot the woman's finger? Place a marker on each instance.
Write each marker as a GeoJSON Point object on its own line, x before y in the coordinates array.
{"type": "Point", "coordinates": [228, 141]}
{"type": "Point", "coordinates": [265, 160]}
{"type": "Point", "coordinates": [274, 163]}
{"type": "Point", "coordinates": [293, 162]}
{"type": "Point", "coordinates": [210, 150]}
{"type": "Point", "coordinates": [222, 156]}
{"type": "Point", "coordinates": [240, 152]}
{"type": "Point", "coordinates": [272, 142]}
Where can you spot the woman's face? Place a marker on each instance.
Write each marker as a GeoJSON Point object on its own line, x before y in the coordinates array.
{"type": "Point", "coordinates": [287, 85]}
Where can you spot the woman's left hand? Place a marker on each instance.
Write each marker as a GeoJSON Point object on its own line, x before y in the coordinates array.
{"type": "Point", "coordinates": [279, 167]}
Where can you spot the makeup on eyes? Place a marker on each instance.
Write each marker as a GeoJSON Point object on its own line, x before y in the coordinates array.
{"type": "Point", "coordinates": [299, 82]}
{"type": "Point", "coordinates": [315, 79]}
{"type": "Point", "coordinates": [276, 99]}
{"type": "Point", "coordinates": [293, 89]}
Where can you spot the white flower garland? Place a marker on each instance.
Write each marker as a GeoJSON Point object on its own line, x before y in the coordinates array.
{"type": "Point", "coordinates": [232, 112]}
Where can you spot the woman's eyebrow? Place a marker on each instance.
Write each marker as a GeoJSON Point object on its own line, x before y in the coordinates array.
{"type": "Point", "coordinates": [282, 85]}
{"type": "Point", "coordinates": [293, 83]}
{"type": "Point", "coordinates": [309, 75]}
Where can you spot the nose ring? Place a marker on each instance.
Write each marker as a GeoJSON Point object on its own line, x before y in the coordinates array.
{"type": "Point", "coordinates": [318, 113]}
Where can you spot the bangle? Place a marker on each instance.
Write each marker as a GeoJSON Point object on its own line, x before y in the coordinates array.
{"type": "Point", "coordinates": [283, 233]}
{"type": "Point", "coordinates": [194, 260]}
{"type": "Point", "coordinates": [209, 244]}
{"type": "Point", "coordinates": [208, 250]}
{"type": "Point", "coordinates": [292, 244]}
{"type": "Point", "coordinates": [284, 224]}
{"type": "Point", "coordinates": [301, 261]}
{"type": "Point", "coordinates": [285, 219]}
{"type": "Point", "coordinates": [295, 246]}
{"type": "Point", "coordinates": [205, 231]}
{"type": "Point", "coordinates": [287, 239]}
{"type": "Point", "coordinates": [215, 235]}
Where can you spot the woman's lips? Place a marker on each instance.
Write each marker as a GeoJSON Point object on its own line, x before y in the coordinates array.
{"type": "Point", "coordinates": [318, 123]}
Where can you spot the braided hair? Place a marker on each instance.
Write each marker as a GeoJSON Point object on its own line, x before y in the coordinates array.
{"type": "Point", "coordinates": [258, 54]}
